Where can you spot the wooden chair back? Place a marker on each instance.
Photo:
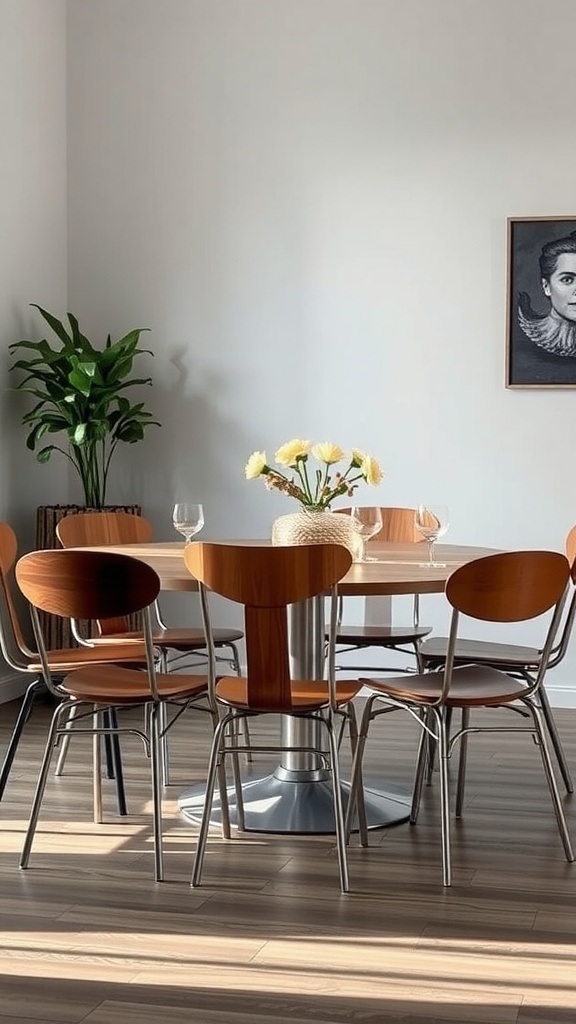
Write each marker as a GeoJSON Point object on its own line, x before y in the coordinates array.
{"type": "Point", "coordinates": [512, 586]}
{"type": "Point", "coordinates": [12, 634]}
{"type": "Point", "coordinates": [89, 529]}
{"type": "Point", "coordinates": [86, 584]}
{"type": "Point", "coordinates": [266, 580]}
{"type": "Point", "coordinates": [571, 552]}
{"type": "Point", "coordinates": [398, 525]}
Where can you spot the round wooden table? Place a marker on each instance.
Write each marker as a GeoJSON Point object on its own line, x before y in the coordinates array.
{"type": "Point", "coordinates": [296, 797]}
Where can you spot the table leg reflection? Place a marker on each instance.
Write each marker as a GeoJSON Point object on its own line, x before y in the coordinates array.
{"type": "Point", "coordinates": [296, 797]}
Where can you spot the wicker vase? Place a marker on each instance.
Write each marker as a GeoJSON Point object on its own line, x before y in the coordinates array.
{"type": "Point", "coordinates": [316, 527]}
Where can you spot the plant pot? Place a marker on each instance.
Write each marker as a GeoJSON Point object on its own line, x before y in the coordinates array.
{"type": "Point", "coordinates": [57, 632]}
{"type": "Point", "coordinates": [316, 527]}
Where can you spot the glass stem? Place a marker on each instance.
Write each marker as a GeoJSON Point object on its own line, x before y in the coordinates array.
{"type": "Point", "coordinates": [431, 551]}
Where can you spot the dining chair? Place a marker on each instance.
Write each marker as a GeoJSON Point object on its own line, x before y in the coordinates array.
{"type": "Point", "coordinates": [521, 661]}
{"type": "Point", "coordinates": [265, 581]}
{"type": "Point", "coordinates": [95, 529]}
{"type": "Point", "coordinates": [99, 585]}
{"type": "Point", "coordinates": [510, 587]}
{"type": "Point", "coordinates": [22, 658]}
{"type": "Point", "coordinates": [175, 645]}
{"type": "Point", "coordinates": [398, 526]}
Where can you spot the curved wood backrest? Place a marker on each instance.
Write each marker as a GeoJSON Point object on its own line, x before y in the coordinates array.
{"type": "Point", "coordinates": [266, 580]}
{"type": "Point", "coordinates": [86, 584]}
{"type": "Point", "coordinates": [510, 586]}
{"type": "Point", "coordinates": [8, 554]}
{"type": "Point", "coordinates": [88, 529]}
{"type": "Point", "coordinates": [571, 551]}
{"type": "Point", "coordinates": [398, 525]}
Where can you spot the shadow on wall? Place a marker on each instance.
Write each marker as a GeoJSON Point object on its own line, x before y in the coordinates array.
{"type": "Point", "coordinates": [197, 454]}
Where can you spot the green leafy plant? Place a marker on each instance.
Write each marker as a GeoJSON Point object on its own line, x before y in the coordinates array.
{"type": "Point", "coordinates": [80, 390]}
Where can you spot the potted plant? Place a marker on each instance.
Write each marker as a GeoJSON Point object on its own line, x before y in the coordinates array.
{"type": "Point", "coordinates": [81, 392]}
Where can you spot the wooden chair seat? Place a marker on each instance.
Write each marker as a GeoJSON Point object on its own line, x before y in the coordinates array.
{"type": "Point", "coordinates": [67, 659]}
{"type": "Point", "coordinates": [307, 695]}
{"type": "Point", "coordinates": [119, 685]}
{"type": "Point", "coordinates": [512, 655]}
{"type": "Point", "coordinates": [177, 639]}
{"type": "Point", "coordinates": [374, 636]}
{"type": "Point", "coordinates": [471, 686]}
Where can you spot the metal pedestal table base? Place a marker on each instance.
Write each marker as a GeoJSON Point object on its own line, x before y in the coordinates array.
{"type": "Point", "coordinates": [296, 802]}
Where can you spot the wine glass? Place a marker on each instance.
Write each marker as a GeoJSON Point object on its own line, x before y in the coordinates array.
{"type": "Point", "coordinates": [366, 521]}
{"type": "Point", "coordinates": [432, 521]}
{"type": "Point", "coordinates": [188, 518]}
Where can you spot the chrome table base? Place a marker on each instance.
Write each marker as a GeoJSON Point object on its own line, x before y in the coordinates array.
{"type": "Point", "coordinates": [281, 802]}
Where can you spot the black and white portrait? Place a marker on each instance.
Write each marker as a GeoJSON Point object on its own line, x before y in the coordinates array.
{"type": "Point", "coordinates": [541, 350]}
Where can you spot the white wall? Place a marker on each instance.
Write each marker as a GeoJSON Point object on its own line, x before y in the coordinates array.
{"type": "Point", "coordinates": [306, 202]}
{"type": "Point", "coordinates": [32, 230]}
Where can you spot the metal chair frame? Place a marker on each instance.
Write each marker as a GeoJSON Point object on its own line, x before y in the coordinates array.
{"type": "Point", "coordinates": [519, 662]}
{"type": "Point", "coordinates": [429, 697]}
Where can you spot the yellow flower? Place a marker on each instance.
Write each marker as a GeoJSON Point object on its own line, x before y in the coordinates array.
{"type": "Point", "coordinates": [255, 465]}
{"type": "Point", "coordinates": [371, 470]}
{"type": "Point", "coordinates": [327, 452]}
{"type": "Point", "coordinates": [289, 453]}
{"type": "Point", "coordinates": [314, 488]}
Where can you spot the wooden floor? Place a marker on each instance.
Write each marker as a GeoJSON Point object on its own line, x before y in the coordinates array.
{"type": "Point", "coordinates": [87, 935]}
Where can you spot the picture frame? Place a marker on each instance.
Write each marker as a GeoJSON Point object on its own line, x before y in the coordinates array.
{"type": "Point", "coordinates": [541, 302]}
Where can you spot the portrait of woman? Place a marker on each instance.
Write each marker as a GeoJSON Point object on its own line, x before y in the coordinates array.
{"type": "Point", "coordinates": [541, 349]}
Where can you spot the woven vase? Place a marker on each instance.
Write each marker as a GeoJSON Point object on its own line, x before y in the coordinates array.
{"type": "Point", "coordinates": [316, 527]}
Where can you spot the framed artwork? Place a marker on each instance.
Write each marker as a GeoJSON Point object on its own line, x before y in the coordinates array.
{"type": "Point", "coordinates": [541, 304]}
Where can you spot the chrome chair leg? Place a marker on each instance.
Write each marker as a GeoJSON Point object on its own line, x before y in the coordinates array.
{"type": "Point", "coordinates": [155, 767]}
{"type": "Point", "coordinates": [462, 763]}
{"type": "Point", "coordinates": [540, 730]}
{"type": "Point", "coordinates": [356, 775]}
{"type": "Point", "coordinates": [422, 759]}
{"type": "Point", "coordinates": [235, 733]}
{"type": "Point", "coordinates": [97, 769]}
{"type": "Point", "coordinates": [222, 785]}
{"type": "Point", "coordinates": [555, 739]}
{"type": "Point", "coordinates": [443, 752]}
{"type": "Point", "coordinates": [65, 741]}
{"type": "Point", "coordinates": [359, 790]}
{"type": "Point", "coordinates": [213, 766]}
{"type": "Point", "coordinates": [35, 688]}
{"type": "Point", "coordinates": [338, 807]}
{"type": "Point", "coordinates": [164, 746]}
{"type": "Point", "coordinates": [41, 783]}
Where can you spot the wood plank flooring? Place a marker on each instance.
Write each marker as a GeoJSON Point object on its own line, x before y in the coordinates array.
{"type": "Point", "coordinates": [86, 935]}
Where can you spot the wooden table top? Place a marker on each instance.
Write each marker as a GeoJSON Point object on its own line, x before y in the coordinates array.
{"type": "Point", "coordinates": [399, 568]}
